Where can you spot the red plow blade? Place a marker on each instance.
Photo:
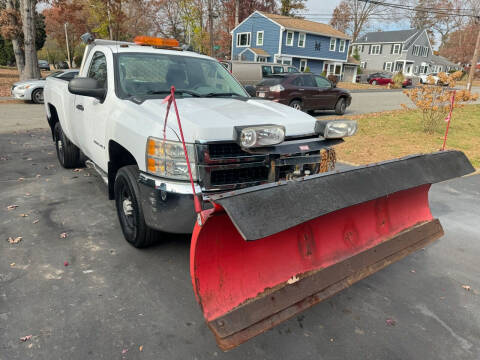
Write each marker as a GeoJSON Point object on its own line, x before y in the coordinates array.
{"type": "Point", "coordinates": [266, 253]}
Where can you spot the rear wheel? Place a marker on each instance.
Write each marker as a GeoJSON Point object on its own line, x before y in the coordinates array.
{"type": "Point", "coordinates": [67, 153]}
{"type": "Point", "coordinates": [341, 106]}
{"type": "Point", "coordinates": [297, 105]}
{"type": "Point", "coordinates": [37, 96]}
{"type": "Point", "coordinates": [129, 209]}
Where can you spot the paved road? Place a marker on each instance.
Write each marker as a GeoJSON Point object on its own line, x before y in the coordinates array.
{"type": "Point", "coordinates": [113, 297]}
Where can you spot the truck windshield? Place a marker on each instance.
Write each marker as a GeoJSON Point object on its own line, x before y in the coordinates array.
{"type": "Point", "coordinates": [145, 75]}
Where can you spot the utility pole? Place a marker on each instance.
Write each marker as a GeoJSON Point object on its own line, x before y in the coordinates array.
{"type": "Point", "coordinates": [237, 11]}
{"type": "Point", "coordinates": [476, 55]}
{"type": "Point", "coordinates": [68, 48]}
{"type": "Point", "coordinates": [210, 25]}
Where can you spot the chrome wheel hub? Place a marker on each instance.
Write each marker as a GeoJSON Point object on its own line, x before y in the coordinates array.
{"type": "Point", "coordinates": [127, 207]}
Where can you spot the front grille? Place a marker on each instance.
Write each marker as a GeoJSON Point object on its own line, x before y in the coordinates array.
{"type": "Point", "coordinates": [239, 176]}
{"type": "Point", "coordinates": [225, 150]}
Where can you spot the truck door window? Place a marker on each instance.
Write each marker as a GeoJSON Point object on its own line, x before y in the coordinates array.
{"type": "Point", "coordinates": [309, 81]}
{"type": "Point", "coordinates": [98, 68]}
{"type": "Point", "coordinates": [322, 83]}
{"type": "Point", "coordinates": [266, 70]}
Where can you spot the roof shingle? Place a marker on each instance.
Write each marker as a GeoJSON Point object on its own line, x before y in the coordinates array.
{"type": "Point", "coordinates": [305, 25]}
{"type": "Point", "coordinates": [388, 36]}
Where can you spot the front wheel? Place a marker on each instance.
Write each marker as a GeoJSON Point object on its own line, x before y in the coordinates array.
{"type": "Point", "coordinates": [37, 96]}
{"type": "Point", "coordinates": [297, 105]}
{"type": "Point", "coordinates": [129, 208]}
{"type": "Point", "coordinates": [341, 106]}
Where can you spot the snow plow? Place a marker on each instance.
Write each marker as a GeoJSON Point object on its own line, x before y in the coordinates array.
{"type": "Point", "coordinates": [262, 254]}
{"type": "Point", "coordinates": [265, 253]}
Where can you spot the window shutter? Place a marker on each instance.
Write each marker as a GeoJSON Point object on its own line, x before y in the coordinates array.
{"type": "Point", "coordinates": [401, 48]}
{"type": "Point", "coordinates": [391, 49]}
{"type": "Point", "coordinates": [384, 65]}
{"type": "Point", "coordinates": [369, 49]}
{"type": "Point", "coordinates": [381, 49]}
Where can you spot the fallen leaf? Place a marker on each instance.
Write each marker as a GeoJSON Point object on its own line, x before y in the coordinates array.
{"type": "Point", "coordinates": [124, 351]}
{"type": "Point", "coordinates": [14, 240]}
{"type": "Point", "coordinates": [38, 176]}
{"type": "Point", "coordinates": [27, 194]}
{"type": "Point", "coordinates": [12, 207]}
{"type": "Point", "coordinates": [87, 271]}
{"type": "Point", "coordinates": [391, 322]}
{"type": "Point", "coordinates": [35, 221]}
{"type": "Point", "coordinates": [25, 338]}
{"type": "Point", "coordinates": [140, 348]}
{"type": "Point", "coordinates": [412, 271]}
{"type": "Point", "coordinates": [21, 179]}
{"type": "Point", "coordinates": [77, 170]}
{"type": "Point", "coordinates": [12, 264]}
{"type": "Point", "coordinates": [65, 263]}
{"type": "Point", "coordinates": [63, 235]}
{"type": "Point", "coordinates": [86, 174]}
{"type": "Point", "coordinates": [23, 215]}
{"type": "Point", "coordinates": [30, 345]}
{"type": "Point", "coordinates": [467, 287]}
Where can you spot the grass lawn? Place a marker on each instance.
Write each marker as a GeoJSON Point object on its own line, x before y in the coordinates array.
{"type": "Point", "coordinates": [389, 135]}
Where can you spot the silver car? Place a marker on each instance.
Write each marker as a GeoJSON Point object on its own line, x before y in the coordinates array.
{"type": "Point", "coordinates": [32, 90]}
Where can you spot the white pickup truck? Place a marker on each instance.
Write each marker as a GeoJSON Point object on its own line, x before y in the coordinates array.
{"type": "Point", "coordinates": [113, 113]}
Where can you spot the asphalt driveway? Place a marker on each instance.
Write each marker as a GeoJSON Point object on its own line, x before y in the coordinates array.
{"type": "Point", "coordinates": [89, 295]}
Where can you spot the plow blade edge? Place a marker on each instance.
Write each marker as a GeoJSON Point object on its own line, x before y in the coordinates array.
{"type": "Point", "coordinates": [268, 252]}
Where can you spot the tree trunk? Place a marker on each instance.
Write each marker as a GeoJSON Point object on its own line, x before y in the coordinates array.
{"type": "Point", "coordinates": [17, 49]}
{"type": "Point", "coordinates": [31, 70]}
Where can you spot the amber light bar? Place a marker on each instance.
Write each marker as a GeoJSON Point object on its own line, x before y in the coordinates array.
{"type": "Point", "coordinates": [153, 41]}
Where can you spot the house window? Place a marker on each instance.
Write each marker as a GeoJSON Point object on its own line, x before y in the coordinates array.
{"type": "Point", "coordinates": [243, 39]}
{"type": "Point", "coordinates": [259, 38]}
{"type": "Point", "coordinates": [376, 49]}
{"type": "Point", "coordinates": [363, 65]}
{"type": "Point", "coordinates": [333, 44]}
{"type": "Point", "coordinates": [425, 51]}
{"type": "Point", "coordinates": [301, 40]}
{"type": "Point", "coordinates": [387, 66]}
{"type": "Point", "coordinates": [341, 48]}
{"type": "Point", "coordinates": [303, 65]}
{"type": "Point", "coordinates": [266, 70]}
{"type": "Point", "coordinates": [261, 59]}
{"type": "Point", "coordinates": [289, 38]}
{"type": "Point", "coordinates": [396, 48]}
{"type": "Point", "coordinates": [416, 50]}
{"type": "Point", "coordinates": [415, 70]}
{"type": "Point", "coordinates": [360, 48]}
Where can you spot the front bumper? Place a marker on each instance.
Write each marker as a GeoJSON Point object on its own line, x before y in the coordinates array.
{"type": "Point", "coordinates": [20, 94]}
{"type": "Point", "coordinates": [167, 205]}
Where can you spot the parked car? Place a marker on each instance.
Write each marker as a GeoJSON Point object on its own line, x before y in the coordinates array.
{"type": "Point", "coordinates": [251, 73]}
{"type": "Point", "coordinates": [44, 65]}
{"type": "Point", "coordinates": [424, 78]}
{"type": "Point", "coordinates": [304, 91]}
{"type": "Point", "coordinates": [385, 79]}
{"type": "Point", "coordinates": [32, 90]}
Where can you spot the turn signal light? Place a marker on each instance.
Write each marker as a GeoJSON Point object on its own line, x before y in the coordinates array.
{"type": "Point", "coordinates": [153, 41]}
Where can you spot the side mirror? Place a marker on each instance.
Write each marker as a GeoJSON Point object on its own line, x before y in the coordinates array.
{"type": "Point", "coordinates": [251, 90]}
{"type": "Point", "coordinates": [87, 87]}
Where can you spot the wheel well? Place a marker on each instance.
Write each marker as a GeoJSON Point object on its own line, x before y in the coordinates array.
{"type": "Point", "coordinates": [295, 99]}
{"type": "Point", "coordinates": [118, 158]}
{"type": "Point", "coordinates": [53, 119]}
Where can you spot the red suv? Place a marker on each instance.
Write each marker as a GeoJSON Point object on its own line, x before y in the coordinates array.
{"type": "Point", "coordinates": [385, 79]}
{"type": "Point", "coordinates": [305, 92]}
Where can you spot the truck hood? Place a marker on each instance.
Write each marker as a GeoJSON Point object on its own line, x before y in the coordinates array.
{"type": "Point", "coordinates": [213, 119]}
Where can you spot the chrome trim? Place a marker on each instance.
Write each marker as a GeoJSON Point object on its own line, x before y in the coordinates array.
{"type": "Point", "coordinates": [172, 186]}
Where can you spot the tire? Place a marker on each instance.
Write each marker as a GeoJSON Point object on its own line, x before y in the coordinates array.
{"type": "Point", "coordinates": [129, 209]}
{"type": "Point", "coordinates": [296, 104]}
{"type": "Point", "coordinates": [374, 82]}
{"type": "Point", "coordinates": [67, 153]}
{"type": "Point", "coordinates": [341, 106]}
{"type": "Point", "coordinates": [37, 96]}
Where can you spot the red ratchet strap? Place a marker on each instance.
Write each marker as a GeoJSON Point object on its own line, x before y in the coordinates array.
{"type": "Point", "coordinates": [169, 100]}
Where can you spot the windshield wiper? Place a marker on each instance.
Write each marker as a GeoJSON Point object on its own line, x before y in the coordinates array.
{"type": "Point", "coordinates": [222, 94]}
{"type": "Point", "coordinates": [192, 93]}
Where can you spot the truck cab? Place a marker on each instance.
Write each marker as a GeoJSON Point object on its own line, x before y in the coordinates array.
{"type": "Point", "coordinates": [114, 115]}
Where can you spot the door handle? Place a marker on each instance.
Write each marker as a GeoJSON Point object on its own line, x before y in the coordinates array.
{"type": "Point", "coordinates": [80, 107]}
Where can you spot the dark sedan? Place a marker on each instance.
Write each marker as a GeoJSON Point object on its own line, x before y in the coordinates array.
{"type": "Point", "coordinates": [305, 92]}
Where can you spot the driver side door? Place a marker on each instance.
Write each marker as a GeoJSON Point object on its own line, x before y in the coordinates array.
{"type": "Point", "coordinates": [326, 96]}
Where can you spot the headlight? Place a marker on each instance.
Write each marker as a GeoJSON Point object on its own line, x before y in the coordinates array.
{"type": "Point", "coordinates": [276, 88]}
{"type": "Point", "coordinates": [336, 129]}
{"type": "Point", "coordinates": [258, 136]}
{"type": "Point", "coordinates": [22, 87]}
{"type": "Point", "coordinates": [167, 159]}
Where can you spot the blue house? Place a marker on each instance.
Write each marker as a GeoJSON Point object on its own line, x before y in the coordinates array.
{"type": "Point", "coordinates": [281, 39]}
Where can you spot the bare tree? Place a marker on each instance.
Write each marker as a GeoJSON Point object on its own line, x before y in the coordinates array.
{"type": "Point", "coordinates": [11, 28]}
{"type": "Point", "coordinates": [27, 10]}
